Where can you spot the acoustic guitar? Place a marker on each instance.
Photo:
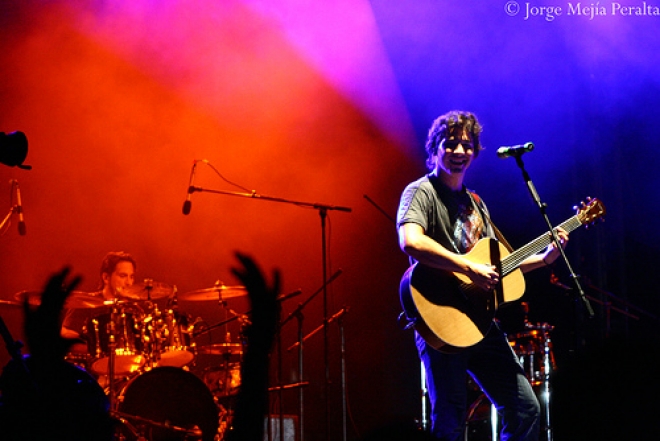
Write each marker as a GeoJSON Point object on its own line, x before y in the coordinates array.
{"type": "Point", "coordinates": [450, 312]}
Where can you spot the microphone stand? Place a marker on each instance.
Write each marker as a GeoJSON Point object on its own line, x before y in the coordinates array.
{"type": "Point", "coordinates": [623, 307]}
{"type": "Point", "coordinates": [280, 386]}
{"type": "Point", "coordinates": [590, 312]}
{"type": "Point", "coordinates": [12, 210]}
{"type": "Point", "coordinates": [542, 208]}
{"type": "Point", "coordinates": [338, 316]}
{"type": "Point", "coordinates": [344, 397]}
{"type": "Point", "coordinates": [323, 212]}
{"type": "Point", "coordinates": [297, 313]}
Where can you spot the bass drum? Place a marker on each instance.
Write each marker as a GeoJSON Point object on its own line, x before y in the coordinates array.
{"type": "Point", "coordinates": [167, 396]}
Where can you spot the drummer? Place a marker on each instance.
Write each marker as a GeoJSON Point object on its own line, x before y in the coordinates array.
{"type": "Point", "coordinates": [117, 273]}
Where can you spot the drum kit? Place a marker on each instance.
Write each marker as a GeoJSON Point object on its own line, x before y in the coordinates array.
{"type": "Point", "coordinates": [144, 355]}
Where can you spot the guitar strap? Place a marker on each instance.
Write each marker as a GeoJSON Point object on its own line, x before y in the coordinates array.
{"type": "Point", "coordinates": [477, 201]}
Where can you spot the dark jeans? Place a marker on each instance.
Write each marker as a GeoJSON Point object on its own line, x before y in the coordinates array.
{"type": "Point", "coordinates": [495, 367]}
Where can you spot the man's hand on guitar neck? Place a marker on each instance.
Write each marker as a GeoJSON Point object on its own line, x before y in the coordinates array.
{"type": "Point", "coordinates": [552, 253]}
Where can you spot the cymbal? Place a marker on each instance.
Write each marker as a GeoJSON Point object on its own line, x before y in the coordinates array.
{"type": "Point", "coordinates": [221, 349]}
{"type": "Point", "coordinates": [215, 293]}
{"type": "Point", "coordinates": [151, 291]}
{"type": "Point", "coordinates": [76, 300]}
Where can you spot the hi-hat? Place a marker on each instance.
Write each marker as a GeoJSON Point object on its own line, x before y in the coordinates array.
{"type": "Point", "coordinates": [75, 300]}
{"type": "Point", "coordinates": [216, 293]}
{"type": "Point", "coordinates": [147, 291]}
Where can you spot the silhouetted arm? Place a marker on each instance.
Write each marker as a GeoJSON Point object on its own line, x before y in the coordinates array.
{"type": "Point", "coordinates": [252, 399]}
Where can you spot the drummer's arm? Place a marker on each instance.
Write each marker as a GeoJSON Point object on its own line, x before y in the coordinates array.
{"type": "Point", "coordinates": [68, 325]}
{"type": "Point", "coordinates": [69, 333]}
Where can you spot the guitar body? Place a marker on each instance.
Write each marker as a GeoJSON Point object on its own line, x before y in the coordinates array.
{"type": "Point", "coordinates": [447, 310]}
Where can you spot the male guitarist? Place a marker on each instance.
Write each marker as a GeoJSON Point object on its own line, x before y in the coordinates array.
{"type": "Point", "coordinates": [439, 221]}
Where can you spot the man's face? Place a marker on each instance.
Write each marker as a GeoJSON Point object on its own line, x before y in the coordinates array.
{"type": "Point", "coordinates": [456, 152]}
{"type": "Point", "coordinates": [122, 277]}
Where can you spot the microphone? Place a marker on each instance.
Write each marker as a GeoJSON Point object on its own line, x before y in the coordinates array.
{"type": "Point", "coordinates": [514, 150]}
{"type": "Point", "coordinates": [187, 204]}
{"type": "Point", "coordinates": [19, 210]}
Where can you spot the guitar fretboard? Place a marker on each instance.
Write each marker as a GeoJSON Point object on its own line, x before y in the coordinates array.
{"type": "Point", "coordinates": [513, 260]}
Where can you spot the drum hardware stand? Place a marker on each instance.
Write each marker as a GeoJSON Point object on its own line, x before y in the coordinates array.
{"type": "Point", "coordinates": [117, 416]}
{"type": "Point", "coordinates": [174, 320]}
{"type": "Point", "coordinates": [222, 303]}
{"type": "Point", "coordinates": [548, 365]}
{"type": "Point", "coordinates": [494, 418]}
{"type": "Point", "coordinates": [152, 337]}
{"type": "Point", "coordinates": [111, 355]}
{"type": "Point", "coordinates": [161, 324]}
{"type": "Point", "coordinates": [237, 316]}
{"type": "Point", "coordinates": [156, 322]}
{"type": "Point", "coordinates": [207, 329]}
{"type": "Point", "coordinates": [195, 432]}
{"type": "Point", "coordinates": [545, 389]}
{"type": "Point", "coordinates": [323, 211]}
{"type": "Point", "coordinates": [425, 423]}
{"type": "Point", "coordinates": [297, 313]}
{"type": "Point", "coordinates": [172, 307]}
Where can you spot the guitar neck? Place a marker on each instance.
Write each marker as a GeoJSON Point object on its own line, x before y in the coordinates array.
{"type": "Point", "coordinates": [513, 260]}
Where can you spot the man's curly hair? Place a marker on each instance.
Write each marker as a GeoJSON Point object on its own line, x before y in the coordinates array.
{"type": "Point", "coordinates": [440, 130]}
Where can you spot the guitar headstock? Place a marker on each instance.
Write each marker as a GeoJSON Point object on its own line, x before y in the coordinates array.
{"type": "Point", "coordinates": [590, 211]}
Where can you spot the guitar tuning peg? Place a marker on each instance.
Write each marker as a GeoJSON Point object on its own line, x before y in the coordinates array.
{"type": "Point", "coordinates": [580, 206]}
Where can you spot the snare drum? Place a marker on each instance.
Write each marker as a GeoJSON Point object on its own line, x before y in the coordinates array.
{"type": "Point", "coordinates": [129, 346]}
{"type": "Point", "coordinates": [167, 396]}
